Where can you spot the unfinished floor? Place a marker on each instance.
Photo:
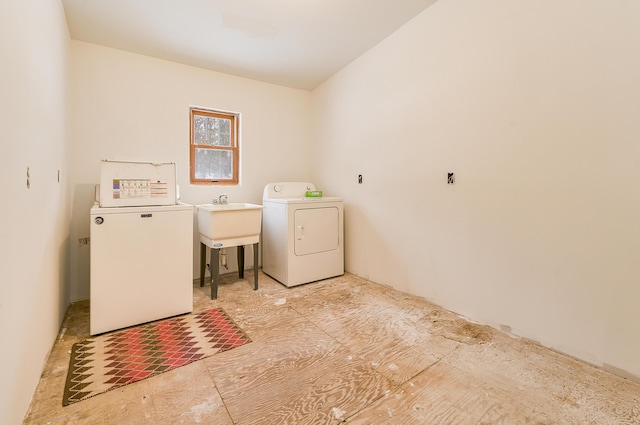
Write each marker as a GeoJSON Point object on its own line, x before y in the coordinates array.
{"type": "Point", "coordinates": [345, 350]}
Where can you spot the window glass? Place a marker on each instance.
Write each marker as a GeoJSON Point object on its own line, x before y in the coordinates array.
{"type": "Point", "coordinates": [213, 164]}
{"type": "Point", "coordinates": [214, 146]}
{"type": "Point", "coordinates": [211, 131]}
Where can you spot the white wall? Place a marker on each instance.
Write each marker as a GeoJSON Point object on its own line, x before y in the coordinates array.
{"type": "Point", "coordinates": [34, 221]}
{"type": "Point", "coordinates": [128, 106]}
{"type": "Point", "coordinates": [534, 105]}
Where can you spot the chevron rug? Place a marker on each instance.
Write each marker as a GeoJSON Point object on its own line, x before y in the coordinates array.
{"type": "Point", "coordinates": [113, 360]}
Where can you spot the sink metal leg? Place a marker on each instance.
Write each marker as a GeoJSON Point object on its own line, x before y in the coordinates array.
{"type": "Point", "coordinates": [214, 267]}
{"type": "Point", "coordinates": [215, 270]}
{"type": "Point", "coordinates": [255, 266]}
{"type": "Point", "coordinates": [240, 261]}
{"type": "Point", "coordinates": [203, 260]}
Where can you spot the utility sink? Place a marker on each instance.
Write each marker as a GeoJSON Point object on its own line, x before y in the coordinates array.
{"type": "Point", "coordinates": [227, 225]}
{"type": "Point", "coordinates": [233, 224]}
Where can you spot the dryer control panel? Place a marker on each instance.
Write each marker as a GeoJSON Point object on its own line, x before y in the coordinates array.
{"type": "Point", "coordinates": [287, 190]}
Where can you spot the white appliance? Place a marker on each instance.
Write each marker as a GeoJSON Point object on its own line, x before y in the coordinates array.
{"type": "Point", "coordinates": [302, 237]}
{"type": "Point", "coordinates": [141, 247]}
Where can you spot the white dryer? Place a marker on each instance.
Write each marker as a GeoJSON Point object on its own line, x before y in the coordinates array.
{"type": "Point", "coordinates": [302, 237]}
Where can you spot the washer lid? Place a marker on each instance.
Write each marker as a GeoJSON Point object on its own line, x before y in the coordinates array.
{"type": "Point", "coordinates": [98, 210]}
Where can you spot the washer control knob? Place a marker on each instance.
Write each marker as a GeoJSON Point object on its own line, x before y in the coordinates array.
{"type": "Point", "coordinates": [99, 220]}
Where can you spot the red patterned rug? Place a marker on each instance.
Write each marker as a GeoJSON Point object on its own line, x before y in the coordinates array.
{"type": "Point", "coordinates": [119, 358]}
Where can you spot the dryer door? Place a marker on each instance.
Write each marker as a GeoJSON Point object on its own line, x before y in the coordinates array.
{"type": "Point", "coordinates": [316, 230]}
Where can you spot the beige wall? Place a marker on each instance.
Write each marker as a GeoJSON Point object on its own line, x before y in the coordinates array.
{"type": "Point", "coordinates": [534, 105]}
{"type": "Point", "coordinates": [34, 221]}
{"type": "Point", "coordinates": [128, 106]}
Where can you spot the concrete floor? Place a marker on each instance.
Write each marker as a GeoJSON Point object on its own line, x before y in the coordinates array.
{"type": "Point", "coordinates": [345, 350]}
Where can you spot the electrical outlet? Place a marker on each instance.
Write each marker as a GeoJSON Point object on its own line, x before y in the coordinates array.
{"type": "Point", "coordinates": [84, 241]}
{"type": "Point", "coordinates": [359, 178]}
{"type": "Point", "coordinates": [451, 178]}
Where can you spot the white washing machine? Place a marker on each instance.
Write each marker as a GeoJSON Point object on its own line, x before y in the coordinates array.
{"type": "Point", "coordinates": [141, 247]}
{"type": "Point", "coordinates": [302, 237]}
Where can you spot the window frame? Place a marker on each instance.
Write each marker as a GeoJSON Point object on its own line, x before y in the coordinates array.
{"type": "Point", "coordinates": [234, 145]}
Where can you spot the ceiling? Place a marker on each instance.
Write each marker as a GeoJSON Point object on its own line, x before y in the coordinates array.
{"type": "Point", "coordinates": [294, 43]}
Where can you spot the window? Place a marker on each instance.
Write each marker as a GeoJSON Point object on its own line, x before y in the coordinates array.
{"type": "Point", "coordinates": [214, 146]}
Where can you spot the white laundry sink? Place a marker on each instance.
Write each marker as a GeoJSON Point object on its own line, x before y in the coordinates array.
{"type": "Point", "coordinates": [230, 224]}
